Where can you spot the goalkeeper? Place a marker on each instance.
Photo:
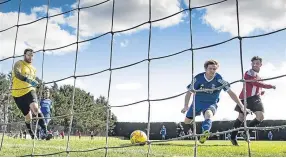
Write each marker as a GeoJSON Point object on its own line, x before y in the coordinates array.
{"type": "Point", "coordinates": [24, 91]}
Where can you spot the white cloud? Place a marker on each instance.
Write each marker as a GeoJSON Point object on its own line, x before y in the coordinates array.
{"type": "Point", "coordinates": [60, 19]}
{"type": "Point", "coordinates": [254, 15]}
{"type": "Point", "coordinates": [128, 86]}
{"type": "Point", "coordinates": [124, 43]}
{"type": "Point", "coordinates": [32, 35]}
{"type": "Point", "coordinates": [128, 13]}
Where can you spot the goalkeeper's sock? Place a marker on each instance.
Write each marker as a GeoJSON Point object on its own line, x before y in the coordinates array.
{"type": "Point", "coordinates": [237, 123]}
{"type": "Point", "coordinates": [42, 123]}
{"type": "Point", "coordinates": [206, 125]}
{"type": "Point", "coordinates": [29, 127]}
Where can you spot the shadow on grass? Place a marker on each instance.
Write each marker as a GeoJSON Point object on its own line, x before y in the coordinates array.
{"type": "Point", "coordinates": [188, 145]}
{"type": "Point", "coordinates": [181, 145]}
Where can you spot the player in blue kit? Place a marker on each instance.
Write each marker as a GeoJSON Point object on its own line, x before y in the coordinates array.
{"type": "Point", "coordinates": [46, 106]}
{"type": "Point", "coordinates": [206, 102]}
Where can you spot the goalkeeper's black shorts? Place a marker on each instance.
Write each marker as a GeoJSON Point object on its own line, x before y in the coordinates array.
{"type": "Point", "coordinates": [23, 102]}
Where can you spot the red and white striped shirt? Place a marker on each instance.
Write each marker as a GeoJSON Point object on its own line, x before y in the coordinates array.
{"type": "Point", "coordinates": [253, 88]}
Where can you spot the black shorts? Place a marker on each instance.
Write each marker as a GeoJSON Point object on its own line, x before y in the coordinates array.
{"type": "Point", "coordinates": [23, 102]}
{"type": "Point", "coordinates": [253, 103]}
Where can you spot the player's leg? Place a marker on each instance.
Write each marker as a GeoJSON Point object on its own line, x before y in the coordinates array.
{"type": "Point", "coordinates": [259, 116]}
{"type": "Point", "coordinates": [23, 105]}
{"type": "Point", "coordinates": [47, 118]}
{"type": "Point", "coordinates": [36, 110]}
{"type": "Point", "coordinates": [28, 123]}
{"type": "Point", "coordinates": [237, 123]}
{"type": "Point", "coordinates": [207, 123]}
{"type": "Point", "coordinates": [256, 106]}
{"type": "Point", "coordinates": [258, 109]}
{"type": "Point", "coordinates": [189, 116]}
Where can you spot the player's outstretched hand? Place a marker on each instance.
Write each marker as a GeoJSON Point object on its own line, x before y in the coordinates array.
{"type": "Point", "coordinates": [184, 109]}
{"type": "Point", "coordinates": [274, 87]}
{"type": "Point", "coordinates": [247, 111]}
{"type": "Point", "coordinates": [34, 83]}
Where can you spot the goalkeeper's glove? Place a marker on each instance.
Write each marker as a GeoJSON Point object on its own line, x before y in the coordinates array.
{"type": "Point", "coordinates": [34, 83]}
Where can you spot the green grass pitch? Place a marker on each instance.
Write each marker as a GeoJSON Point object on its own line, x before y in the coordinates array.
{"type": "Point", "coordinates": [211, 148]}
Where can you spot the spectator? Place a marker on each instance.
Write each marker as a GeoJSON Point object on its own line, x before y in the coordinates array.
{"type": "Point", "coordinates": [91, 135]}
{"type": "Point", "coordinates": [163, 132]}
{"type": "Point", "coordinates": [270, 135]}
{"type": "Point", "coordinates": [62, 134]}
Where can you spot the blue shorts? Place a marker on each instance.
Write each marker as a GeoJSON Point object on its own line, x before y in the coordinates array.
{"type": "Point", "coordinates": [201, 108]}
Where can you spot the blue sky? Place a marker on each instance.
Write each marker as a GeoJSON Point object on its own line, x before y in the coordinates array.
{"type": "Point", "coordinates": [169, 76]}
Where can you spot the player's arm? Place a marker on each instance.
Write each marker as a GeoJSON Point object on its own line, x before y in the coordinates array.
{"type": "Point", "coordinates": [257, 83]}
{"type": "Point", "coordinates": [235, 98]}
{"type": "Point", "coordinates": [189, 94]}
{"type": "Point", "coordinates": [17, 71]}
{"type": "Point", "coordinates": [187, 99]}
{"type": "Point", "coordinates": [232, 95]}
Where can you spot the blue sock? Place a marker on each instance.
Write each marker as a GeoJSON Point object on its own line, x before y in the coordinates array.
{"type": "Point", "coordinates": [206, 125]}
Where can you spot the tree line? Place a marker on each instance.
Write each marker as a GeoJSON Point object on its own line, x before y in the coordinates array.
{"type": "Point", "coordinates": [89, 112]}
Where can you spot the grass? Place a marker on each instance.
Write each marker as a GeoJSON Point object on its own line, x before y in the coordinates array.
{"type": "Point", "coordinates": [20, 147]}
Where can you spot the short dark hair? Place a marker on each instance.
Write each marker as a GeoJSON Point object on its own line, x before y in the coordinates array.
{"type": "Point", "coordinates": [210, 62]}
{"type": "Point", "coordinates": [256, 58]}
{"type": "Point", "coordinates": [28, 50]}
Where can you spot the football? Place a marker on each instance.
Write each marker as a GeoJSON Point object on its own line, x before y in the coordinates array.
{"type": "Point", "coordinates": [138, 137]}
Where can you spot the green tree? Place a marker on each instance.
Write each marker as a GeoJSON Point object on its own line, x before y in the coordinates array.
{"type": "Point", "coordinates": [89, 114]}
{"type": "Point", "coordinates": [8, 107]}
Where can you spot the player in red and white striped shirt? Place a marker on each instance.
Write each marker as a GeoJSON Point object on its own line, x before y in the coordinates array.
{"type": "Point", "coordinates": [253, 93]}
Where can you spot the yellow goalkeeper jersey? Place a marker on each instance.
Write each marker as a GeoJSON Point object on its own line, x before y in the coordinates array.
{"type": "Point", "coordinates": [22, 69]}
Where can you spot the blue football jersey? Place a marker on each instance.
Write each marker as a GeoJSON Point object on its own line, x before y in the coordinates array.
{"type": "Point", "coordinates": [209, 97]}
{"type": "Point", "coordinates": [46, 105]}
